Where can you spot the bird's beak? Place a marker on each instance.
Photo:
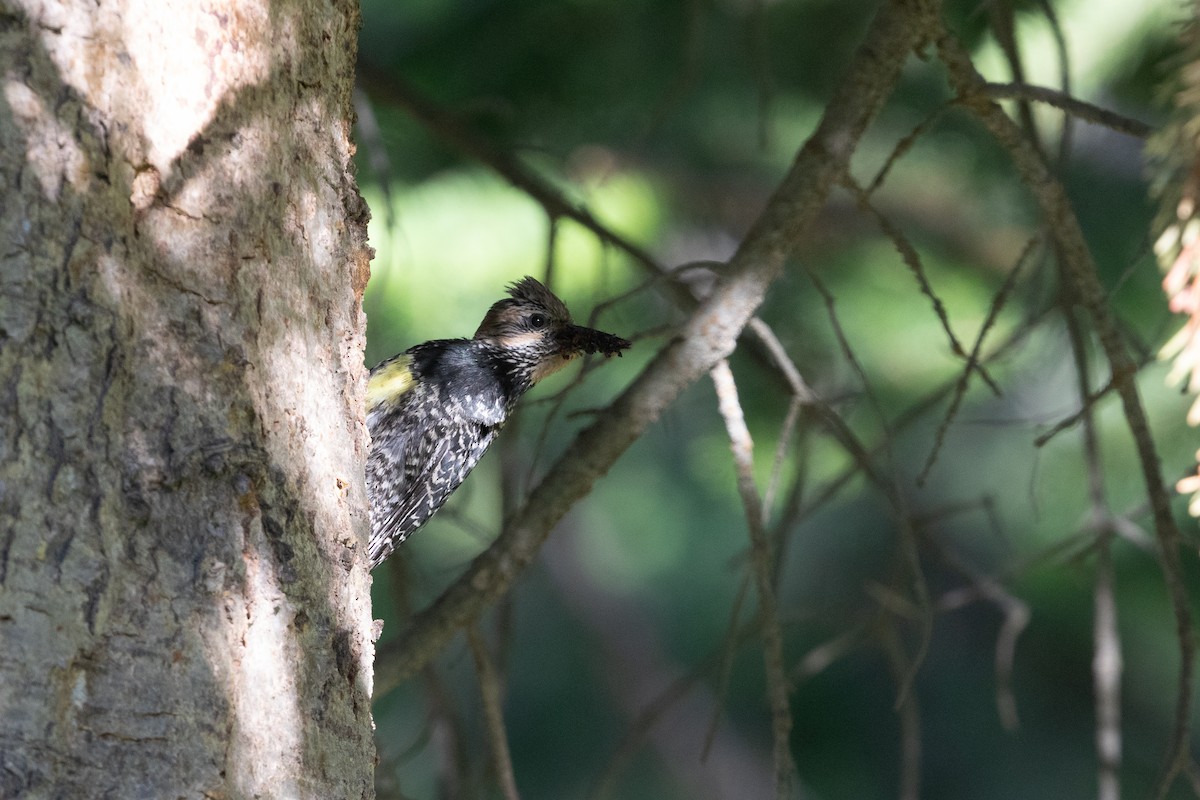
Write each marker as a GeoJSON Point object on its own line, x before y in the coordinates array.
{"type": "Point", "coordinates": [575, 339]}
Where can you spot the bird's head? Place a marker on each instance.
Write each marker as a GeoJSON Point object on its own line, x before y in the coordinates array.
{"type": "Point", "coordinates": [533, 330]}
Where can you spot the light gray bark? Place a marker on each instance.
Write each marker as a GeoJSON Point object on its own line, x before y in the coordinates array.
{"type": "Point", "coordinates": [184, 609]}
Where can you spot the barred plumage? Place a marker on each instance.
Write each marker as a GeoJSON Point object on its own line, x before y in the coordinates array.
{"type": "Point", "coordinates": [434, 409]}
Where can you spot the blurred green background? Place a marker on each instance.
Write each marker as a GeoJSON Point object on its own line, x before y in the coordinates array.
{"type": "Point", "coordinates": [672, 122]}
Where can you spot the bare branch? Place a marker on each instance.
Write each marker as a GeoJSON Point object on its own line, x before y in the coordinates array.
{"type": "Point", "coordinates": [960, 390]}
{"type": "Point", "coordinates": [1088, 404]}
{"type": "Point", "coordinates": [904, 145]}
{"type": "Point", "coordinates": [490, 694]}
{"type": "Point", "coordinates": [1016, 618]}
{"type": "Point", "coordinates": [912, 259]}
{"type": "Point", "coordinates": [782, 446]}
{"type": "Point", "coordinates": [452, 130]}
{"type": "Point", "coordinates": [1064, 72]}
{"type": "Point", "coordinates": [729, 647]}
{"type": "Point", "coordinates": [760, 558]}
{"type": "Point", "coordinates": [909, 711]}
{"type": "Point", "coordinates": [370, 135]}
{"type": "Point", "coordinates": [707, 336]}
{"type": "Point", "coordinates": [1106, 675]}
{"type": "Point", "coordinates": [816, 660]}
{"type": "Point", "coordinates": [1192, 773]}
{"type": "Point", "coordinates": [801, 396]}
{"type": "Point", "coordinates": [1106, 657]}
{"type": "Point", "coordinates": [1080, 269]}
{"type": "Point", "coordinates": [1077, 108]}
{"type": "Point", "coordinates": [923, 612]}
{"type": "Point", "coordinates": [1003, 17]}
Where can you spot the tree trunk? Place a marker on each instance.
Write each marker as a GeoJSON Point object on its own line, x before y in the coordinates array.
{"type": "Point", "coordinates": [184, 603]}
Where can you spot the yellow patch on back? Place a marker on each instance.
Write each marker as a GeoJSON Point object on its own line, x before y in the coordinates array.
{"type": "Point", "coordinates": [389, 380]}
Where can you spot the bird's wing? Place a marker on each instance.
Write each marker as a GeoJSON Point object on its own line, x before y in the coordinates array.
{"type": "Point", "coordinates": [411, 474]}
{"type": "Point", "coordinates": [403, 507]}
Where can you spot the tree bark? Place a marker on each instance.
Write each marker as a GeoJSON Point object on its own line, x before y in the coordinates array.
{"type": "Point", "coordinates": [184, 604]}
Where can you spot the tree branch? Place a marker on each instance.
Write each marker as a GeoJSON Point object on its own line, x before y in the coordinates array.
{"type": "Point", "coordinates": [1080, 269]}
{"type": "Point", "coordinates": [760, 552]}
{"type": "Point", "coordinates": [490, 693]}
{"type": "Point", "coordinates": [710, 333]}
{"type": "Point", "coordinates": [451, 129]}
{"type": "Point", "coordinates": [1075, 107]}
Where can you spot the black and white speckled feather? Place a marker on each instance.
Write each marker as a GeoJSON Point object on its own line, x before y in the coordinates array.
{"type": "Point", "coordinates": [435, 409]}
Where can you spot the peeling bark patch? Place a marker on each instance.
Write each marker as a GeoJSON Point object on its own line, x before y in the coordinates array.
{"type": "Point", "coordinates": [145, 188]}
{"type": "Point", "coordinates": [343, 652]}
{"type": "Point", "coordinates": [282, 552]}
{"type": "Point", "coordinates": [92, 594]}
{"type": "Point", "coordinates": [5, 547]}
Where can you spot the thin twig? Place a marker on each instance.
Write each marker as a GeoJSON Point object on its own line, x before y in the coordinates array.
{"type": "Point", "coordinates": [907, 536]}
{"type": "Point", "coordinates": [960, 390]}
{"type": "Point", "coordinates": [760, 552]}
{"type": "Point", "coordinates": [1106, 674]}
{"type": "Point", "coordinates": [912, 259]}
{"type": "Point", "coordinates": [1064, 71]}
{"type": "Point", "coordinates": [493, 713]}
{"type": "Point", "coordinates": [905, 145]}
{"type": "Point", "coordinates": [640, 726]}
{"type": "Point", "coordinates": [784, 523]}
{"type": "Point", "coordinates": [1016, 613]}
{"type": "Point", "coordinates": [1064, 102]}
{"type": "Point", "coordinates": [1003, 15]}
{"type": "Point", "coordinates": [370, 136]}
{"type": "Point", "coordinates": [448, 735]}
{"type": "Point", "coordinates": [820, 657]}
{"type": "Point", "coordinates": [1016, 618]}
{"type": "Point", "coordinates": [1080, 268]}
{"type": "Point", "coordinates": [552, 225]}
{"type": "Point", "coordinates": [801, 395]}
{"type": "Point", "coordinates": [1106, 639]}
{"type": "Point", "coordinates": [1192, 773]}
{"type": "Point", "coordinates": [863, 457]}
{"type": "Point", "coordinates": [729, 648]}
{"type": "Point", "coordinates": [446, 731]}
{"type": "Point", "coordinates": [676, 690]}
{"type": "Point", "coordinates": [451, 130]}
{"type": "Point", "coordinates": [1066, 423]}
{"type": "Point", "coordinates": [782, 446]}
{"type": "Point", "coordinates": [909, 711]}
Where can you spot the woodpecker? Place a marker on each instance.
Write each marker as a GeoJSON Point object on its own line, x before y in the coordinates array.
{"type": "Point", "coordinates": [434, 409]}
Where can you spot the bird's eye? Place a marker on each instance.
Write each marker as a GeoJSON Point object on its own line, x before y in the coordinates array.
{"type": "Point", "coordinates": [537, 320]}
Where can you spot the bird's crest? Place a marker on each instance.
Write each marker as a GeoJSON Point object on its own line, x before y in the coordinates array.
{"type": "Point", "coordinates": [531, 290]}
{"type": "Point", "coordinates": [506, 321]}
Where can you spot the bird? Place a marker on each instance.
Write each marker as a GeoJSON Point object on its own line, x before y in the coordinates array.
{"type": "Point", "coordinates": [434, 409]}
